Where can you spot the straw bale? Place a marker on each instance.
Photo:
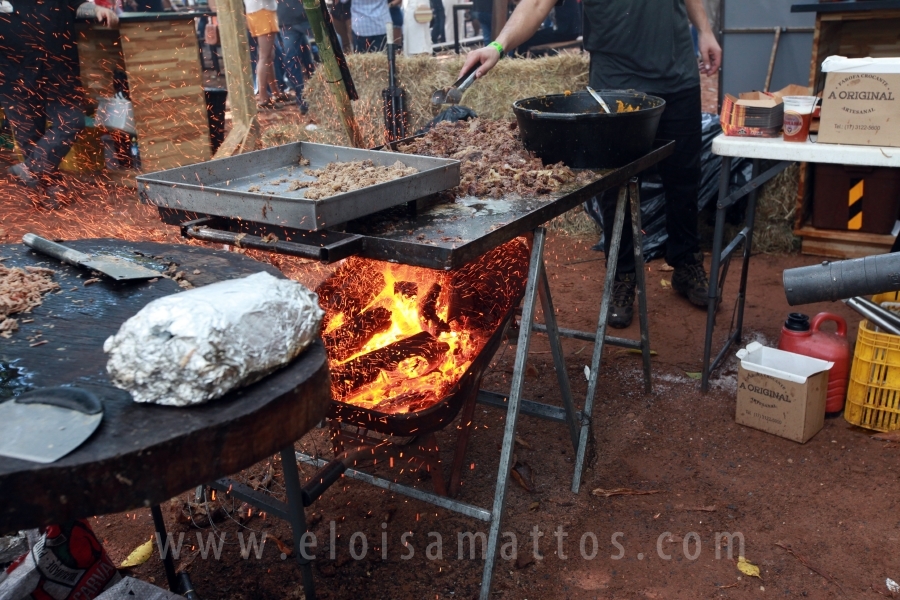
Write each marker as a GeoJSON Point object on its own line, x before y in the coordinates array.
{"type": "Point", "coordinates": [775, 208]}
{"type": "Point", "coordinates": [490, 97]}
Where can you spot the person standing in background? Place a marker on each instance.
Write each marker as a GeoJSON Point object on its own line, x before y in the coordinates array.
{"type": "Point", "coordinates": [369, 20]}
{"type": "Point", "coordinates": [296, 51]}
{"type": "Point", "coordinates": [40, 88]}
{"type": "Point", "coordinates": [263, 25]}
{"type": "Point", "coordinates": [396, 8]}
{"type": "Point", "coordinates": [483, 12]}
{"type": "Point", "coordinates": [643, 45]}
{"type": "Point", "coordinates": [340, 16]}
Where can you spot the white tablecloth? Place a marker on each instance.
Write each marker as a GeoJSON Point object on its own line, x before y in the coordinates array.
{"type": "Point", "coordinates": [778, 149]}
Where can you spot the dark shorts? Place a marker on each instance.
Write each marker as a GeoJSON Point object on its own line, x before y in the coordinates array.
{"type": "Point", "coordinates": [397, 16]}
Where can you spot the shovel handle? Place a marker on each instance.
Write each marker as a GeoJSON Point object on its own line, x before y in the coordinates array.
{"type": "Point", "coordinates": [57, 251]}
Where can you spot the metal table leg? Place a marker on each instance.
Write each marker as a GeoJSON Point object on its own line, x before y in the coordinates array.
{"type": "Point", "coordinates": [161, 536]}
{"type": "Point", "coordinates": [718, 234]}
{"type": "Point", "coordinates": [634, 194]}
{"type": "Point", "coordinates": [297, 517]}
{"type": "Point", "coordinates": [512, 413]}
{"type": "Point", "coordinates": [721, 257]}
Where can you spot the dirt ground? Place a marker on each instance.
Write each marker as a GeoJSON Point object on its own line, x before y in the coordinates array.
{"type": "Point", "coordinates": [832, 501]}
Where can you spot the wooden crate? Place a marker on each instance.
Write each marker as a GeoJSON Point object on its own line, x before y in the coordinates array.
{"type": "Point", "coordinates": [855, 34]}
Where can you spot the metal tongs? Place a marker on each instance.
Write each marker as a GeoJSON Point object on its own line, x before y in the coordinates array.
{"type": "Point", "coordinates": [453, 94]}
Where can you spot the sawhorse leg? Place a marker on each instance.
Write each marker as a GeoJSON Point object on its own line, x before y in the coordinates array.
{"type": "Point", "coordinates": [536, 281]}
{"type": "Point", "coordinates": [632, 193]}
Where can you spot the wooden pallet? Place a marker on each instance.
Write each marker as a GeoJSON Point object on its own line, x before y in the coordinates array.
{"type": "Point", "coordinates": [842, 244]}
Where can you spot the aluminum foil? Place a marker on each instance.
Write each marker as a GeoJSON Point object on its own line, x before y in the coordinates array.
{"type": "Point", "coordinates": [198, 345]}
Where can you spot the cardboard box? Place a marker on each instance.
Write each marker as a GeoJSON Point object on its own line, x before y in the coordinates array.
{"type": "Point", "coordinates": [781, 392]}
{"type": "Point", "coordinates": [757, 114]}
{"type": "Point", "coordinates": [861, 101]}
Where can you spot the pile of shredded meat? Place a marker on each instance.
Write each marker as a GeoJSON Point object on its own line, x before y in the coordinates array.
{"type": "Point", "coordinates": [21, 291]}
{"type": "Point", "coordinates": [339, 177]}
{"type": "Point", "coordinates": [494, 162]}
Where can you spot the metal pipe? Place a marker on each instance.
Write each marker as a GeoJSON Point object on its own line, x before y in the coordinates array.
{"type": "Point", "coordinates": [731, 30]}
{"type": "Point", "coordinates": [873, 314]}
{"type": "Point", "coordinates": [842, 279]}
{"type": "Point", "coordinates": [886, 315]}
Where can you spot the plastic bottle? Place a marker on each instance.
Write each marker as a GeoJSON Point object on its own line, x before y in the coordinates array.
{"type": "Point", "coordinates": [802, 336]}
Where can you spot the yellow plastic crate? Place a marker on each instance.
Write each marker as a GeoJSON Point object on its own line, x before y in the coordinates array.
{"type": "Point", "coordinates": [873, 395]}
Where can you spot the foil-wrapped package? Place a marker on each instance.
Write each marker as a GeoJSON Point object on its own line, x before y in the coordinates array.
{"type": "Point", "coordinates": [197, 345]}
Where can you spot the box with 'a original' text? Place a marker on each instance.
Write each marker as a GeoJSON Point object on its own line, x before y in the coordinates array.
{"type": "Point", "coordinates": [781, 392]}
{"type": "Point", "coordinates": [861, 101]}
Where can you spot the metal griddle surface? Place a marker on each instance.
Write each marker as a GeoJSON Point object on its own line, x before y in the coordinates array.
{"type": "Point", "coordinates": [447, 236]}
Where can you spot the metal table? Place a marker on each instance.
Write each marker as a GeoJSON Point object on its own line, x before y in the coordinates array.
{"type": "Point", "coordinates": [144, 454]}
{"type": "Point", "coordinates": [757, 149]}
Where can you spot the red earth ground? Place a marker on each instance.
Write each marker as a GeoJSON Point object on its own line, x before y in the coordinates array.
{"type": "Point", "coordinates": [832, 500]}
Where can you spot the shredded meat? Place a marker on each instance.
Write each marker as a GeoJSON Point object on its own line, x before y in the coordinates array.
{"type": "Point", "coordinates": [21, 291]}
{"type": "Point", "coordinates": [494, 162]}
{"type": "Point", "coordinates": [339, 177]}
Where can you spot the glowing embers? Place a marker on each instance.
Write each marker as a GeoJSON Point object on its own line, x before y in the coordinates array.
{"type": "Point", "coordinates": [399, 337]}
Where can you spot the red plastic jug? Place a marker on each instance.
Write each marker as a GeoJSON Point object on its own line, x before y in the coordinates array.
{"type": "Point", "coordinates": [802, 336]}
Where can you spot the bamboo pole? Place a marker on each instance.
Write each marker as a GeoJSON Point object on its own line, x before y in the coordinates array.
{"type": "Point", "coordinates": [333, 76]}
{"type": "Point", "coordinates": [244, 133]}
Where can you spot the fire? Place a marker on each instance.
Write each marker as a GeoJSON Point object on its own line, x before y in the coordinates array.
{"type": "Point", "coordinates": [399, 337]}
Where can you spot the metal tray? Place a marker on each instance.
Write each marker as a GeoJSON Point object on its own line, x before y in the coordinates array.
{"type": "Point", "coordinates": [222, 187]}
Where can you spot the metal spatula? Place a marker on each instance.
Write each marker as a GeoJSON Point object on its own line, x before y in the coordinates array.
{"type": "Point", "coordinates": [111, 266]}
{"type": "Point", "coordinates": [46, 424]}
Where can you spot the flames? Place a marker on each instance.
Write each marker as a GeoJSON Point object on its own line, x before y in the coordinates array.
{"type": "Point", "coordinates": [399, 337]}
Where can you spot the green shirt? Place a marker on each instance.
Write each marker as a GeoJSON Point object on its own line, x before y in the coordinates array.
{"type": "Point", "coordinates": [640, 44]}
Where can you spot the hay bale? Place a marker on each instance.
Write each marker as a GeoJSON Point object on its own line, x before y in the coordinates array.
{"type": "Point", "coordinates": [490, 97]}
{"type": "Point", "coordinates": [775, 208]}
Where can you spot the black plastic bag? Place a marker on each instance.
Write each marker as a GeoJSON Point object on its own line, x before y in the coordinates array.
{"type": "Point", "coordinates": [653, 198]}
{"type": "Point", "coordinates": [453, 113]}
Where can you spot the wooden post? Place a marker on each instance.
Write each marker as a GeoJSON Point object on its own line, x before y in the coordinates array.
{"type": "Point", "coordinates": [333, 71]}
{"type": "Point", "coordinates": [244, 133]}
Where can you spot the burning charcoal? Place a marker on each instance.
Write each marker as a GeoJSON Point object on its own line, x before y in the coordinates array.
{"type": "Point", "coordinates": [407, 289]}
{"type": "Point", "coordinates": [350, 289]}
{"type": "Point", "coordinates": [429, 310]}
{"type": "Point", "coordinates": [365, 369]}
{"type": "Point", "coordinates": [407, 401]}
{"type": "Point", "coordinates": [349, 338]}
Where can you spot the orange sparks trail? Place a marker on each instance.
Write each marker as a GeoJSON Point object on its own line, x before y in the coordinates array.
{"type": "Point", "coordinates": [399, 337]}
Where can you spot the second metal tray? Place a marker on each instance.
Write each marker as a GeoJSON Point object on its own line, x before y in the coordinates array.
{"type": "Point", "coordinates": [223, 187]}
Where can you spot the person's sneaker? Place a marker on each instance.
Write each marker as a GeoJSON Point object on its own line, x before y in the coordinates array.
{"type": "Point", "coordinates": [691, 282]}
{"type": "Point", "coordinates": [21, 173]}
{"type": "Point", "coordinates": [621, 309]}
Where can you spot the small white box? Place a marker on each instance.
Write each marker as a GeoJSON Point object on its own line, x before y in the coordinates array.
{"type": "Point", "coordinates": [781, 392]}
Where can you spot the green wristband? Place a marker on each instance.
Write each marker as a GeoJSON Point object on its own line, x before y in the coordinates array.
{"type": "Point", "coordinates": [497, 46]}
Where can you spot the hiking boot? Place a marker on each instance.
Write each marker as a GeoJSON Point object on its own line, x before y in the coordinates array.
{"type": "Point", "coordinates": [691, 282]}
{"type": "Point", "coordinates": [621, 310]}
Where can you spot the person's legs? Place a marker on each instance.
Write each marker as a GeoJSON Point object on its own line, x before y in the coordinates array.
{"type": "Point", "coordinates": [681, 176]}
{"type": "Point", "coordinates": [484, 21]}
{"type": "Point", "coordinates": [369, 43]}
{"type": "Point", "coordinates": [66, 120]}
{"type": "Point", "coordinates": [265, 67]}
{"type": "Point", "coordinates": [294, 41]}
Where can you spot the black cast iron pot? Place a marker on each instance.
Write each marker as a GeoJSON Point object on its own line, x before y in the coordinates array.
{"type": "Point", "coordinates": [573, 129]}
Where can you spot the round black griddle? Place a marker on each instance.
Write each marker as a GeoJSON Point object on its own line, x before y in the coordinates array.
{"type": "Point", "coordinates": [141, 454]}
